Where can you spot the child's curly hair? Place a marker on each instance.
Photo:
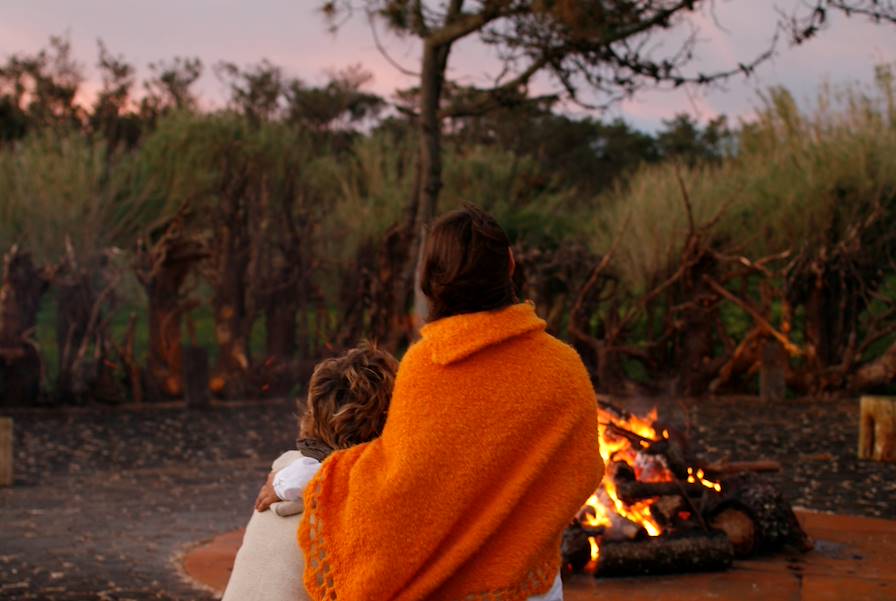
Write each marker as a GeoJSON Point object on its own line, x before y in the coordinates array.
{"type": "Point", "coordinates": [348, 397]}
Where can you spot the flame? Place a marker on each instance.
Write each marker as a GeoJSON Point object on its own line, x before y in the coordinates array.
{"type": "Point", "coordinates": [595, 553]}
{"type": "Point", "coordinates": [622, 438]}
{"type": "Point", "coordinates": [698, 476]}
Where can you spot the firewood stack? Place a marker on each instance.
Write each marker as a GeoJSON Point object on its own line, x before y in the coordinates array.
{"type": "Point", "coordinates": [656, 512]}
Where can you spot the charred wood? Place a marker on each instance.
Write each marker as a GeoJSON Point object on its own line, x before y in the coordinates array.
{"type": "Point", "coordinates": [631, 492]}
{"type": "Point", "coordinates": [665, 555]}
{"type": "Point", "coordinates": [776, 524]}
{"type": "Point", "coordinates": [575, 548]}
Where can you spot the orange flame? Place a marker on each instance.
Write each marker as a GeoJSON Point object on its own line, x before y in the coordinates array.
{"type": "Point", "coordinates": [597, 515]}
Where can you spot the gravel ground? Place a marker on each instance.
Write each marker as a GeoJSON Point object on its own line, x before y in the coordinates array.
{"type": "Point", "coordinates": [106, 500]}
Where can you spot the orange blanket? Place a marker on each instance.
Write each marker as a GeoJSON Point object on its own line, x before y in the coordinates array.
{"type": "Point", "coordinates": [489, 449]}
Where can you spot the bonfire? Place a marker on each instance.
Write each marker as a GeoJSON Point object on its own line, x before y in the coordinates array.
{"type": "Point", "coordinates": [656, 511]}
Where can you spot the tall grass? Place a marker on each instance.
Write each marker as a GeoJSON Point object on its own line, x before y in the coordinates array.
{"type": "Point", "coordinates": [802, 176]}
{"type": "Point", "coordinates": [66, 190]}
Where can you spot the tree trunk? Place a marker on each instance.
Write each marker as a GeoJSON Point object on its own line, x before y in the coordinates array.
{"type": "Point", "coordinates": [233, 319]}
{"type": "Point", "coordinates": [21, 289]}
{"type": "Point", "coordinates": [164, 366]}
{"type": "Point", "coordinates": [432, 80]}
{"type": "Point", "coordinates": [697, 366]}
{"type": "Point", "coordinates": [75, 299]}
{"type": "Point", "coordinates": [281, 323]}
{"type": "Point", "coordinates": [162, 269]}
{"type": "Point", "coordinates": [231, 332]}
{"type": "Point", "coordinates": [167, 306]}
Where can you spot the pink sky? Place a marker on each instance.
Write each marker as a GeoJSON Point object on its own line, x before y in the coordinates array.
{"type": "Point", "coordinates": [291, 34]}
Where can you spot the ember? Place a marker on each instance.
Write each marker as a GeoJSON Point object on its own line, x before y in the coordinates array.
{"type": "Point", "coordinates": [654, 511]}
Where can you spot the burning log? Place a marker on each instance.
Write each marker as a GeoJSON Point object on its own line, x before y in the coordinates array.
{"type": "Point", "coordinates": [673, 456]}
{"type": "Point", "coordinates": [575, 548]}
{"type": "Point", "coordinates": [656, 512]}
{"type": "Point", "coordinates": [638, 491]}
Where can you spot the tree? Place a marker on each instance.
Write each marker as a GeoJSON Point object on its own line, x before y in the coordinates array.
{"type": "Point", "coordinates": [683, 139]}
{"type": "Point", "coordinates": [39, 90]}
{"type": "Point", "coordinates": [600, 46]}
{"type": "Point", "coordinates": [112, 114]}
{"type": "Point", "coordinates": [170, 87]}
{"type": "Point", "coordinates": [339, 104]}
{"type": "Point", "coordinates": [255, 91]}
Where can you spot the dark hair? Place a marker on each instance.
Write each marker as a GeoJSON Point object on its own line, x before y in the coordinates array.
{"type": "Point", "coordinates": [466, 264]}
{"type": "Point", "coordinates": [348, 397]}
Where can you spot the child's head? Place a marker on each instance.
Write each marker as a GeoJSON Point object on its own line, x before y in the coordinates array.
{"type": "Point", "coordinates": [348, 397]}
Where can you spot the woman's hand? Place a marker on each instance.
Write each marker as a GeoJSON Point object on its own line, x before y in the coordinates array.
{"type": "Point", "coordinates": [266, 496]}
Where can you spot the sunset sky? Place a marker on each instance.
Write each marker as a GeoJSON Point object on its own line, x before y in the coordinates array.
{"type": "Point", "coordinates": [292, 34]}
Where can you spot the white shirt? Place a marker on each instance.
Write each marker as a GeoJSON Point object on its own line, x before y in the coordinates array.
{"type": "Point", "coordinates": [290, 483]}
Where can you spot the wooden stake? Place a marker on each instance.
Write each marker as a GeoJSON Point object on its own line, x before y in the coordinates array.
{"type": "Point", "coordinates": [773, 372]}
{"type": "Point", "coordinates": [5, 451]}
{"type": "Point", "coordinates": [195, 362]}
{"type": "Point", "coordinates": [877, 428]}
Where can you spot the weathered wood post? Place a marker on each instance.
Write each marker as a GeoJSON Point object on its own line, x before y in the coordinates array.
{"type": "Point", "coordinates": [5, 451]}
{"type": "Point", "coordinates": [773, 372]}
{"type": "Point", "coordinates": [195, 365]}
{"type": "Point", "coordinates": [877, 428]}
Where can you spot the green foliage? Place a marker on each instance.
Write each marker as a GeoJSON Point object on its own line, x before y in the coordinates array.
{"type": "Point", "coordinates": [63, 189]}
{"type": "Point", "coordinates": [528, 202]}
{"type": "Point", "coordinates": [371, 185]}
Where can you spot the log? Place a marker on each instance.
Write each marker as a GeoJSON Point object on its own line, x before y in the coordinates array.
{"type": "Point", "coordinates": [673, 454]}
{"type": "Point", "coordinates": [773, 518]}
{"type": "Point", "coordinates": [575, 548]}
{"type": "Point", "coordinates": [721, 468]}
{"type": "Point", "coordinates": [6, 472]}
{"type": "Point", "coordinates": [877, 428]}
{"type": "Point", "coordinates": [665, 555]}
{"type": "Point", "coordinates": [739, 529]}
{"type": "Point", "coordinates": [637, 491]}
{"type": "Point", "coordinates": [195, 362]}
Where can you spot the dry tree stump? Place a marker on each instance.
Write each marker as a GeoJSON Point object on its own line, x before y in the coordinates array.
{"type": "Point", "coordinates": [877, 428]}
{"type": "Point", "coordinates": [5, 451]}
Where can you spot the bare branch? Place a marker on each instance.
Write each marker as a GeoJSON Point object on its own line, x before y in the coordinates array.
{"type": "Point", "coordinates": [382, 49]}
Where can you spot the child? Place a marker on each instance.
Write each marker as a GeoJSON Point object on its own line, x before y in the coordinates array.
{"type": "Point", "coordinates": [348, 397]}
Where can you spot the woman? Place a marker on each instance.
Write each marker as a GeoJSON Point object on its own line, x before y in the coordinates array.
{"type": "Point", "coordinates": [489, 449]}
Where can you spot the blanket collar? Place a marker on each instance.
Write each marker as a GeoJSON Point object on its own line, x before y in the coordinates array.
{"type": "Point", "coordinates": [454, 338]}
